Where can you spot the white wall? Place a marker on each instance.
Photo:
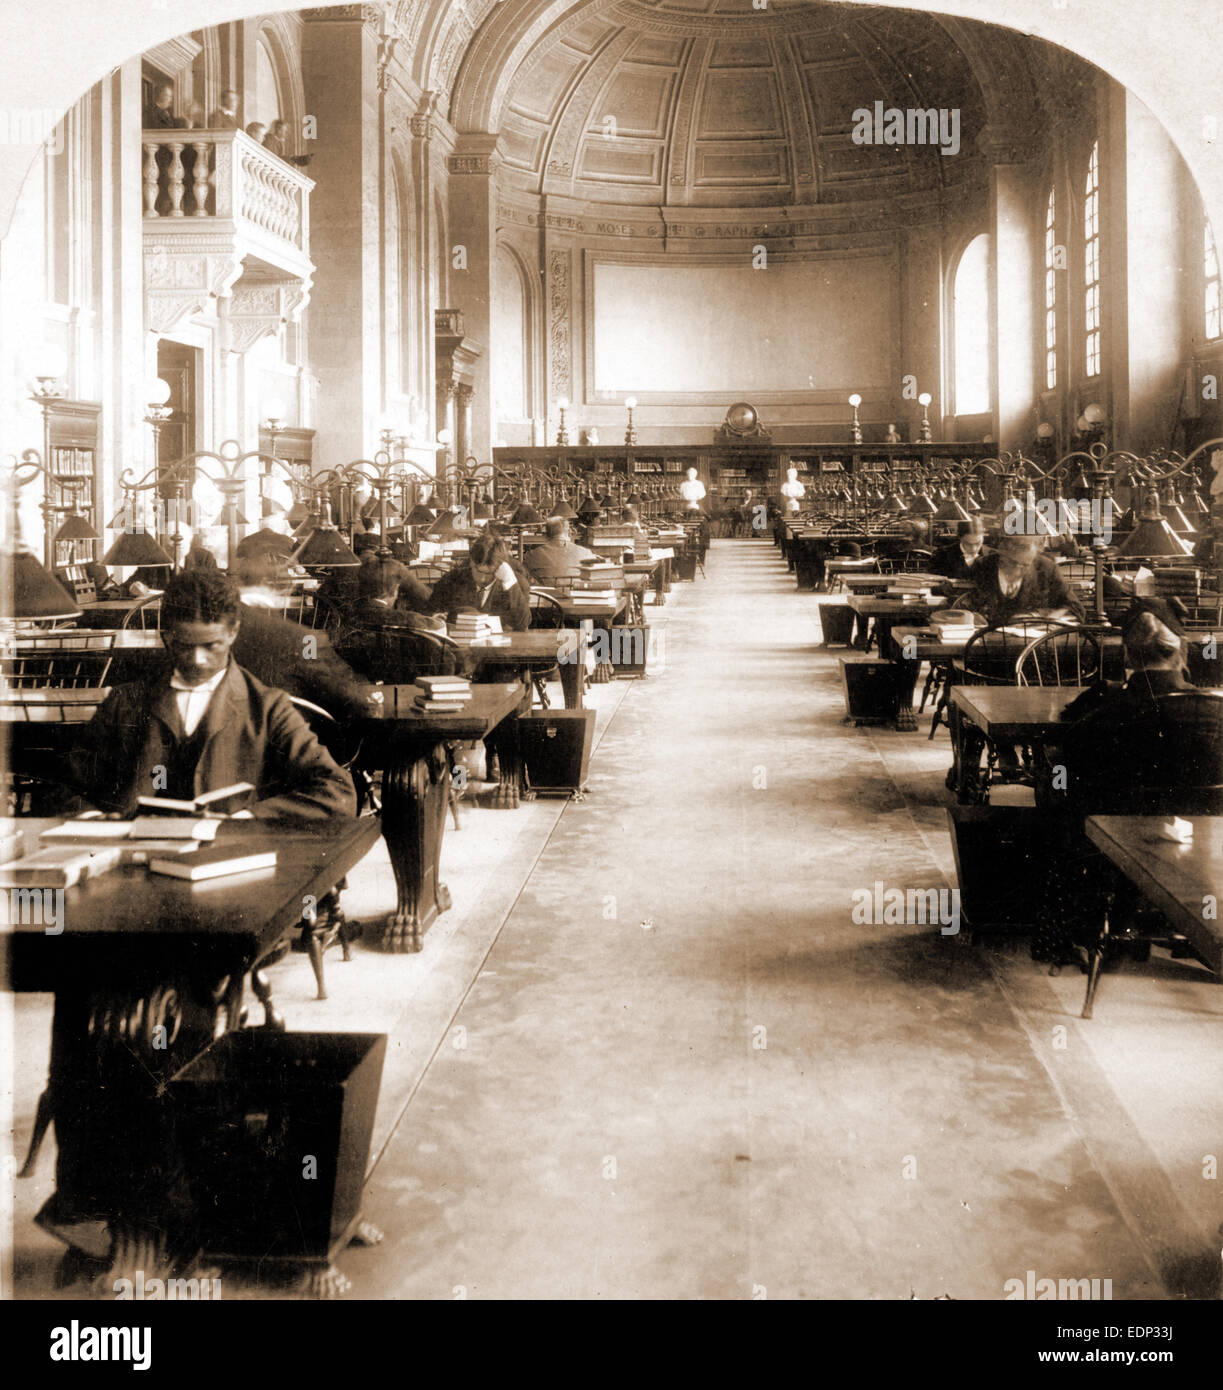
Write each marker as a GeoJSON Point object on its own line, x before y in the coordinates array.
{"type": "Point", "coordinates": [695, 329]}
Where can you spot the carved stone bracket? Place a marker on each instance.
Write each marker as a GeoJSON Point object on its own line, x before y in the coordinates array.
{"type": "Point", "coordinates": [255, 311]}
{"type": "Point", "coordinates": [559, 327]}
{"type": "Point", "coordinates": [179, 282]}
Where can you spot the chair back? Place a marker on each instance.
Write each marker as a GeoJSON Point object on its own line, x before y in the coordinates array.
{"type": "Point", "coordinates": [61, 670]}
{"type": "Point", "coordinates": [547, 611]}
{"type": "Point", "coordinates": [146, 615]}
{"type": "Point", "coordinates": [1166, 760]}
{"type": "Point", "coordinates": [1069, 657]}
{"type": "Point", "coordinates": [991, 656]}
{"type": "Point", "coordinates": [343, 745]}
{"type": "Point", "coordinates": [397, 655]}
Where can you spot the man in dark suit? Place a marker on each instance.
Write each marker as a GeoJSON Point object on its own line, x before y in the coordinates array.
{"type": "Point", "coordinates": [160, 115]}
{"type": "Point", "coordinates": [205, 723]}
{"type": "Point", "coordinates": [226, 117]}
{"type": "Point", "coordinates": [557, 557]}
{"type": "Point", "coordinates": [485, 583]}
{"type": "Point", "coordinates": [955, 558]}
{"type": "Point", "coordinates": [1016, 578]}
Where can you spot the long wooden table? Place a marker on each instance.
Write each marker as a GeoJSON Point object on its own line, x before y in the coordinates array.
{"type": "Point", "coordinates": [1005, 714]}
{"type": "Point", "coordinates": [1180, 880]}
{"type": "Point", "coordinates": [146, 972]}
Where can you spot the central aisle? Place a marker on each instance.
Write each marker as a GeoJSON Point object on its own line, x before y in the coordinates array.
{"type": "Point", "coordinates": [685, 1072]}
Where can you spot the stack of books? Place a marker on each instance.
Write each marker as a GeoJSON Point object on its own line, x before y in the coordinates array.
{"type": "Point", "coordinates": [470, 627]}
{"type": "Point", "coordinates": [910, 588]}
{"type": "Point", "coordinates": [954, 626]}
{"type": "Point", "coordinates": [442, 694]}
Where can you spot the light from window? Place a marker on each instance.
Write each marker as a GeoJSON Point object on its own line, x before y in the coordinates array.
{"type": "Point", "coordinates": [1091, 263]}
{"type": "Point", "coordinates": [972, 356]}
{"type": "Point", "coordinates": [1050, 294]}
{"type": "Point", "coordinates": [1214, 328]}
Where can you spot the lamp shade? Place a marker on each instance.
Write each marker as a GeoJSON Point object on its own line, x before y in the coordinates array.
{"type": "Point", "coordinates": [297, 513]}
{"type": "Point", "coordinates": [443, 528]}
{"type": "Point", "coordinates": [37, 594]}
{"type": "Point", "coordinates": [922, 505]}
{"type": "Point", "coordinates": [525, 515]}
{"type": "Point", "coordinates": [136, 549]}
{"type": "Point", "coordinates": [419, 516]}
{"type": "Point", "coordinates": [563, 508]}
{"type": "Point", "coordinates": [1152, 536]}
{"type": "Point", "coordinates": [324, 548]}
{"type": "Point", "coordinates": [951, 510]}
{"type": "Point", "coordinates": [433, 502]}
{"type": "Point", "coordinates": [264, 542]}
{"type": "Point", "coordinates": [76, 528]}
{"type": "Point", "coordinates": [483, 511]}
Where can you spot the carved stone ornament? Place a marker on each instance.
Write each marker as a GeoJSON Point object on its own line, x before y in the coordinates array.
{"type": "Point", "coordinates": [179, 283]}
{"type": "Point", "coordinates": [558, 326]}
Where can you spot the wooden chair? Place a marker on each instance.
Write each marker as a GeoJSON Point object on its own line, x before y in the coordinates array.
{"type": "Point", "coordinates": [1070, 657]}
{"type": "Point", "coordinates": [30, 669]}
{"type": "Point", "coordinates": [146, 616]}
{"type": "Point", "coordinates": [397, 655]}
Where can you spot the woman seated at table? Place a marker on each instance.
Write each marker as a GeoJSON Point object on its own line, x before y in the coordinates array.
{"type": "Point", "coordinates": [1016, 579]}
{"type": "Point", "coordinates": [1150, 746]}
{"type": "Point", "coordinates": [205, 723]}
{"type": "Point", "coordinates": [485, 582]}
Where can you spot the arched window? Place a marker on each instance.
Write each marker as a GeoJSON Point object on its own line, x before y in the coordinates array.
{"type": "Point", "coordinates": [971, 328]}
{"type": "Point", "coordinates": [1050, 292]}
{"type": "Point", "coordinates": [1091, 264]}
{"type": "Point", "coordinates": [511, 340]}
{"type": "Point", "coordinates": [1214, 328]}
{"type": "Point", "coordinates": [267, 91]}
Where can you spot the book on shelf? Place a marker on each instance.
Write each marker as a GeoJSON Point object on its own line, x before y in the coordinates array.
{"type": "Point", "coordinates": [102, 832]}
{"type": "Point", "coordinates": [170, 806]}
{"type": "Point", "coordinates": [214, 863]}
{"type": "Point", "coordinates": [59, 866]}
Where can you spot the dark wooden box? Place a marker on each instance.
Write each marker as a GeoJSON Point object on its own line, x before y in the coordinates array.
{"type": "Point", "coordinates": [870, 688]}
{"type": "Point", "coordinates": [999, 862]}
{"type": "Point", "coordinates": [275, 1129]}
{"type": "Point", "coordinates": [556, 748]}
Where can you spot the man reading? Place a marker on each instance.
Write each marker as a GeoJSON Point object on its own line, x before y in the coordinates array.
{"type": "Point", "coordinates": [206, 723]}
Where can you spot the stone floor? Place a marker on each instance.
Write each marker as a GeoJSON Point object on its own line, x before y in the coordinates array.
{"type": "Point", "coordinates": [649, 1054]}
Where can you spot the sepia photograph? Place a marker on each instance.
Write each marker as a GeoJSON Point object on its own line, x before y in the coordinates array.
{"type": "Point", "coordinates": [611, 687]}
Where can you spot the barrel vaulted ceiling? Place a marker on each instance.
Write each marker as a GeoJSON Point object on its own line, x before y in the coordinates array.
{"type": "Point", "coordinates": [714, 102]}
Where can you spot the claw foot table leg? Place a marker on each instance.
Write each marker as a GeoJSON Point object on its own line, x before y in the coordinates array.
{"type": "Point", "coordinates": [415, 796]}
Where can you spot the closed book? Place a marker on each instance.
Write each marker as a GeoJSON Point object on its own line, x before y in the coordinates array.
{"type": "Point", "coordinates": [174, 828]}
{"type": "Point", "coordinates": [442, 683]}
{"type": "Point", "coordinates": [214, 863]}
{"type": "Point", "coordinates": [119, 832]}
{"type": "Point", "coordinates": [438, 706]}
{"type": "Point", "coordinates": [60, 866]}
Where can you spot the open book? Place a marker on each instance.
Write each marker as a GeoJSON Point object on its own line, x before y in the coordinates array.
{"type": "Point", "coordinates": [169, 806]}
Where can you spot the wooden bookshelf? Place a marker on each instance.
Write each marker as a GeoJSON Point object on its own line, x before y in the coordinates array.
{"type": "Point", "coordinates": [73, 439]}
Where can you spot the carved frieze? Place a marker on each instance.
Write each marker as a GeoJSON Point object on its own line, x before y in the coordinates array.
{"type": "Point", "coordinates": [559, 329]}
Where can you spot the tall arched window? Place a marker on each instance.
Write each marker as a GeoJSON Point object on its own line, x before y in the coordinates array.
{"type": "Point", "coordinates": [1091, 264]}
{"type": "Point", "coordinates": [971, 328]}
{"type": "Point", "coordinates": [1214, 327]}
{"type": "Point", "coordinates": [1050, 292]}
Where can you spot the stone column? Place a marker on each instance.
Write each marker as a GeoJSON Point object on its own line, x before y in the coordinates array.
{"type": "Point", "coordinates": [463, 394]}
{"type": "Point", "coordinates": [473, 212]}
{"type": "Point", "coordinates": [339, 71]}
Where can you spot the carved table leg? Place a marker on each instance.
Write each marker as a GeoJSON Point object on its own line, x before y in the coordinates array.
{"type": "Point", "coordinates": [504, 740]}
{"type": "Point", "coordinates": [415, 796]}
{"type": "Point", "coordinates": [572, 671]}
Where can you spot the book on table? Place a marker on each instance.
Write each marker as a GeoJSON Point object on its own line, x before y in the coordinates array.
{"type": "Point", "coordinates": [213, 800]}
{"type": "Point", "coordinates": [59, 866]}
{"type": "Point", "coordinates": [218, 862]}
{"type": "Point", "coordinates": [101, 831]}
{"type": "Point", "coordinates": [448, 688]}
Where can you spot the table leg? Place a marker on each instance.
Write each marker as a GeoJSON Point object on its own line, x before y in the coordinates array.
{"type": "Point", "coordinates": [573, 670]}
{"type": "Point", "coordinates": [415, 797]}
{"type": "Point", "coordinates": [907, 671]}
{"type": "Point", "coordinates": [505, 743]}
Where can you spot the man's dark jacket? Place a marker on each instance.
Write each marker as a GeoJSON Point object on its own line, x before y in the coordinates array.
{"type": "Point", "coordinates": [1042, 587]}
{"type": "Point", "coordinates": [949, 561]}
{"type": "Point", "coordinates": [249, 733]}
{"type": "Point", "coordinates": [457, 590]}
{"type": "Point", "coordinates": [297, 659]}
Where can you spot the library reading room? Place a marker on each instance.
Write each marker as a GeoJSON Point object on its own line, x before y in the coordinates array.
{"type": "Point", "coordinates": [612, 663]}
